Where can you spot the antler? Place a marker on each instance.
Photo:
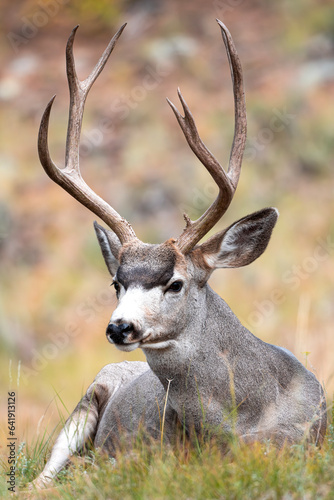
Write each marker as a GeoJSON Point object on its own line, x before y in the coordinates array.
{"type": "Point", "coordinates": [227, 182]}
{"type": "Point", "coordinates": [70, 177]}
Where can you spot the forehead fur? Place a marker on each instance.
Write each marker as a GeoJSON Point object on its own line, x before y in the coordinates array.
{"type": "Point", "coordinates": [149, 265]}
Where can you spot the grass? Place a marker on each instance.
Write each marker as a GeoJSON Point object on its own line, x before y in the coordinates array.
{"type": "Point", "coordinates": [53, 271]}
{"type": "Point", "coordinates": [258, 471]}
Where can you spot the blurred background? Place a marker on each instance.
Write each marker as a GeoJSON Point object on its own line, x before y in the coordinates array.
{"type": "Point", "coordinates": [55, 295]}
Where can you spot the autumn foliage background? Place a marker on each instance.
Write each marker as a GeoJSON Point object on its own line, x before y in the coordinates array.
{"type": "Point", "coordinates": [55, 298]}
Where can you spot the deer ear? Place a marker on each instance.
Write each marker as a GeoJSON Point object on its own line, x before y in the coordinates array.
{"type": "Point", "coordinates": [242, 242]}
{"type": "Point", "coordinates": [110, 247]}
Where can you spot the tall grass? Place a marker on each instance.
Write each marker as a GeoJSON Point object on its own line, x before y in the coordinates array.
{"type": "Point", "coordinates": [200, 471]}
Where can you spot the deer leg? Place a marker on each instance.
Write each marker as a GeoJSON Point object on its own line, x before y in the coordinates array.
{"type": "Point", "coordinates": [78, 430]}
{"type": "Point", "coordinates": [81, 427]}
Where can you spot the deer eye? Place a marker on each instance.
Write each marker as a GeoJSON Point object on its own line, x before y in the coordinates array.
{"type": "Point", "coordinates": [117, 287]}
{"type": "Point", "coordinates": [175, 287]}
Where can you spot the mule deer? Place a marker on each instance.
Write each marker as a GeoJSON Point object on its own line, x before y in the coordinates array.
{"type": "Point", "coordinates": [196, 348]}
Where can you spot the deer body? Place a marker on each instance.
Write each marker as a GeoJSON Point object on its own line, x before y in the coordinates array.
{"type": "Point", "coordinates": [217, 373]}
{"type": "Point", "coordinates": [205, 370]}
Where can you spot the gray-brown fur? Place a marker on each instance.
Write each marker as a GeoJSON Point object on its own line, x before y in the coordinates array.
{"type": "Point", "coordinates": [220, 378]}
{"type": "Point", "coordinates": [196, 347]}
{"type": "Point", "coordinates": [148, 272]}
{"type": "Point", "coordinates": [212, 354]}
{"type": "Point", "coordinates": [245, 385]}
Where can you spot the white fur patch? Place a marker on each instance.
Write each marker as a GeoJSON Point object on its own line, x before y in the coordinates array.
{"type": "Point", "coordinates": [128, 347]}
{"type": "Point", "coordinates": [135, 305]}
{"type": "Point", "coordinates": [70, 440]}
{"type": "Point", "coordinates": [158, 345]}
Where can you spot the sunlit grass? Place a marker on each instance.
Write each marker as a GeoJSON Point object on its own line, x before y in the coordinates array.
{"type": "Point", "coordinates": [52, 273]}
{"type": "Point", "coordinates": [184, 471]}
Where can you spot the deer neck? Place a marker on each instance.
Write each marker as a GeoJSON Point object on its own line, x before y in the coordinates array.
{"type": "Point", "coordinates": [194, 361]}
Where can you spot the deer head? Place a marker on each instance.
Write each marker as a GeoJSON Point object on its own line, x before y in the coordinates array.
{"type": "Point", "coordinates": [162, 288]}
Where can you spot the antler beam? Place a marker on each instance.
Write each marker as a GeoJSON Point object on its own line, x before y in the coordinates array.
{"type": "Point", "coordinates": [70, 177]}
{"type": "Point", "coordinates": [227, 182]}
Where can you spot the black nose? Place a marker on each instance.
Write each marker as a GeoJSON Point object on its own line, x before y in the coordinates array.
{"type": "Point", "coordinates": [118, 333]}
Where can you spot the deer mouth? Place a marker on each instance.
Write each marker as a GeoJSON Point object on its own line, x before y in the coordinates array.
{"type": "Point", "coordinates": [126, 339]}
{"type": "Point", "coordinates": [128, 347]}
{"type": "Point", "coordinates": [149, 342]}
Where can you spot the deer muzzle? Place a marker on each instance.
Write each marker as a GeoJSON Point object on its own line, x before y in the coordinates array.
{"type": "Point", "coordinates": [118, 334]}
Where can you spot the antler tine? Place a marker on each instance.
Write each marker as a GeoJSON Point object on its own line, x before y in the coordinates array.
{"type": "Point", "coordinates": [78, 94]}
{"type": "Point", "coordinates": [240, 127]}
{"type": "Point", "coordinates": [227, 182]}
{"type": "Point", "coordinates": [70, 177]}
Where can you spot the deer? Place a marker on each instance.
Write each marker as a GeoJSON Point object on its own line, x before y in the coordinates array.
{"type": "Point", "coordinates": [203, 369]}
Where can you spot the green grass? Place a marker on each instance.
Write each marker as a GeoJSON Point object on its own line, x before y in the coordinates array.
{"type": "Point", "coordinates": [258, 471]}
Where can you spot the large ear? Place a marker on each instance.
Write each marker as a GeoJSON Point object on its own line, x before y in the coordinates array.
{"type": "Point", "coordinates": [110, 247]}
{"type": "Point", "coordinates": [242, 242]}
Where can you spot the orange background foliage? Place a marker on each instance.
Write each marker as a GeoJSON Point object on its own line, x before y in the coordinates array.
{"type": "Point", "coordinates": [55, 298]}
